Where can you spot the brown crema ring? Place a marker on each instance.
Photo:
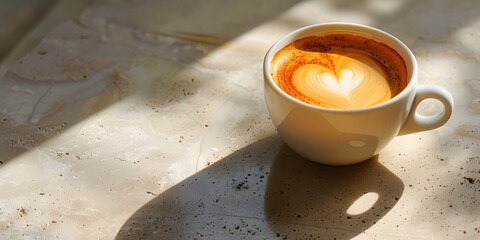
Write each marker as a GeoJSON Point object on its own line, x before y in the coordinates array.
{"type": "Point", "coordinates": [342, 71]}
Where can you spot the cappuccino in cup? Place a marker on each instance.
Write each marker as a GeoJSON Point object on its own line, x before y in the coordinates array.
{"type": "Point", "coordinates": [338, 93]}
{"type": "Point", "coordinates": [341, 71]}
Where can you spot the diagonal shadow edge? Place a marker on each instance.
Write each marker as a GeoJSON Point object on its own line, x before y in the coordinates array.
{"type": "Point", "coordinates": [18, 137]}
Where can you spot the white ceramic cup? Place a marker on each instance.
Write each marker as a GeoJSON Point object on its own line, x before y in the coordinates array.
{"type": "Point", "coordinates": [343, 137]}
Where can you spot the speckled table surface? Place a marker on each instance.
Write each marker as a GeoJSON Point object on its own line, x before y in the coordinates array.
{"type": "Point", "coordinates": [146, 120]}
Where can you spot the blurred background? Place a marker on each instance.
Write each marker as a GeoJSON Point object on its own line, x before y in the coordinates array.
{"type": "Point", "coordinates": [18, 17]}
{"type": "Point", "coordinates": [32, 18]}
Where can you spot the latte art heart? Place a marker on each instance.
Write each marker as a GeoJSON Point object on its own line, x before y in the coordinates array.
{"type": "Point", "coordinates": [339, 71]}
{"type": "Point", "coordinates": [352, 84]}
{"type": "Point", "coordinates": [344, 84]}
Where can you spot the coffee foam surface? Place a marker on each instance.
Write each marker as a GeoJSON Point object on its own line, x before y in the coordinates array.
{"type": "Point", "coordinates": [339, 71]}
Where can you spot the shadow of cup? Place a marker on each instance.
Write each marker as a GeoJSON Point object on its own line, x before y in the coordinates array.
{"type": "Point", "coordinates": [305, 199]}
{"type": "Point", "coordinates": [267, 191]}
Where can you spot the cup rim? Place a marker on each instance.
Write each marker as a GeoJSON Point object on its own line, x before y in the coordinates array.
{"type": "Point", "coordinates": [344, 27]}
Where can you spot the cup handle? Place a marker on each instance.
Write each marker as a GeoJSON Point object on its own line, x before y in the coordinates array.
{"type": "Point", "coordinates": [416, 122]}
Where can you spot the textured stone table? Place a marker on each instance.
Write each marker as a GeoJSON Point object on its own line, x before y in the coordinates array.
{"type": "Point", "coordinates": [146, 120]}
